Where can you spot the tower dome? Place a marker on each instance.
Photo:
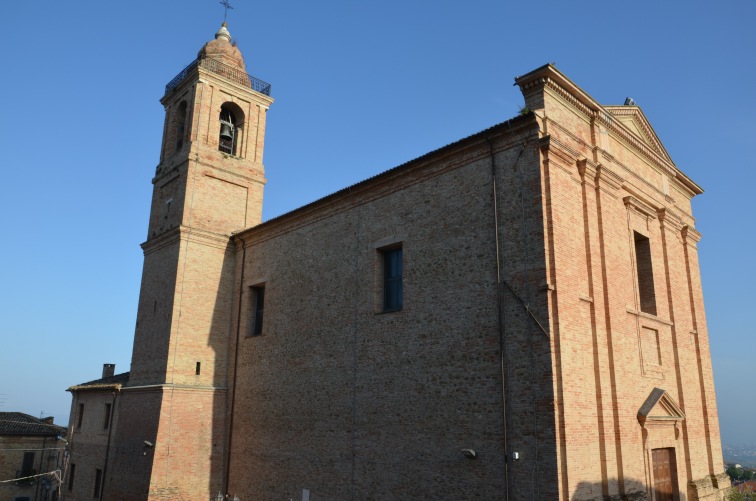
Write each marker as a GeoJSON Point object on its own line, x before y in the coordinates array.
{"type": "Point", "coordinates": [221, 49]}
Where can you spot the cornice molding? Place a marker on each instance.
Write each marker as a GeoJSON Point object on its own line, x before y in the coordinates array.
{"type": "Point", "coordinates": [164, 239]}
{"type": "Point", "coordinates": [550, 78]}
{"type": "Point", "coordinates": [645, 127]}
{"type": "Point", "coordinates": [606, 178]}
{"type": "Point", "coordinates": [641, 208]}
{"type": "Point", "coordinates": [549, 144]}
{"type": "Point", "coordinates": [215, 79]}
{"type": "Point", "coordinates": [188, 234]}
{"type": "Point", "coordinates": [567, 96]}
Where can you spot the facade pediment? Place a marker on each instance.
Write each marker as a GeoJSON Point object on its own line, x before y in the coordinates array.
{"type": "Point", "coordinates": [635, 121]}
{"type": "Point", "coordinates": [659, 406]}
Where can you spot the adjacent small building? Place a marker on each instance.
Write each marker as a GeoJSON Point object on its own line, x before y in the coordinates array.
{"type": "Point", "coordinates": [93, 419]}
{"type": "Point", "coordinates": [29, 448]}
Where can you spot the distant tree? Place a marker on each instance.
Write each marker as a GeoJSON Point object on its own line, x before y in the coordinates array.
{"type": "Point", "coordinates": [740, 474]}
{"type": "Point", "coordinates": [736, 495]}
{"type": "Point", "coordinates": [734, 473]}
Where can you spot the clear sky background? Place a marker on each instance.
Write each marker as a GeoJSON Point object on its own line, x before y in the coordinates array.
{"type": "Point", "coordinates": [360, 87]}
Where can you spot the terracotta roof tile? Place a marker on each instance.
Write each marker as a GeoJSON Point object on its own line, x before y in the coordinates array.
{"type": "Point", "coordinates": [18, 423]}
{"type": "Point", "coordinates": [116, 382]}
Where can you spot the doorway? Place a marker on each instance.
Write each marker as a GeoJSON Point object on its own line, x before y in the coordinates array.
{"type": "Point", "coordinates": [665, 474]}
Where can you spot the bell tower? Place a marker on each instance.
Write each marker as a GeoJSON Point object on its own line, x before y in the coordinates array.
{"type": "Point", "coordinates": [171, 433]}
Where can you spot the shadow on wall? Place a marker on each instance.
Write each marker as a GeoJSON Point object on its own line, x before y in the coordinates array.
{"type": "Point", "coordinates": [597, 491]}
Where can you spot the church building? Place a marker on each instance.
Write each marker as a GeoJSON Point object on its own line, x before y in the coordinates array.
{"type": "Point", "coordinates": [516, 315]}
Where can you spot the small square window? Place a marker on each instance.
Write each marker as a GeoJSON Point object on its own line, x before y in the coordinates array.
{"type": "Point", "coordinates": [392, 279]}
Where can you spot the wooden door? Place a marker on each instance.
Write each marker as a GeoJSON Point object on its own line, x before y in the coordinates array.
{"type": "Point", "coordinates": [665, 474]}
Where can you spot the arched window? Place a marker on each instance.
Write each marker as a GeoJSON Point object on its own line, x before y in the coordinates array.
{"type": "Point", "coordinates": [180, 125]}
{"type": "Point", "coordinates": [229, 130]}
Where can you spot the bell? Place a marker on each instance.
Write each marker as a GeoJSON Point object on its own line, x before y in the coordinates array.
{"type": "Point", "coordinates": [226, 132]}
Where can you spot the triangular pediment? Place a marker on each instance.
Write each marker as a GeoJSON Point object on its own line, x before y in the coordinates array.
{"type": "Point", "coordinates": [636, 122]}
{"type": "Point", "coordinates": [660, 406]}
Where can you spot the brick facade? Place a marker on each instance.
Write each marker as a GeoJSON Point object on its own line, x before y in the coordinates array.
{"type": "Point", "coordinates": [552, 317]}
{"type": "Point", "coordinates": [93, 419]}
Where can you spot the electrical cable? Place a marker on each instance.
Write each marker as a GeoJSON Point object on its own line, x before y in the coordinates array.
{"type": "Point", "coordinates": [55, 473]}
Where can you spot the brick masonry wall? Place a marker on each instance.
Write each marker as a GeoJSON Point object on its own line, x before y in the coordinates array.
{"type": "Point", "coordinates": [12, 449]}
{"type": "Point", "coordinates": [530, 297]}
{"type": "Point", "coordinates": [176, 396]}
{"type": "Point", "coordinates": [352, 403]}
{"type": "Point", "coordinates": [88, 443]}
{"type": "Point", "coordinates": [333, 388]}
{"type": "Point", "coordinates": [608, 352]}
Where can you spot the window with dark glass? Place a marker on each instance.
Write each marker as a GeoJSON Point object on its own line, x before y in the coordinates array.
{"type": "Point", "coordinates": [98, 483]}
{"type": "Point", "coordinates": [392, 279]}
{"type": "Point", "coordinates": [106, 420]}
{"type": "Point", "coordinates": [257, 300]}
{"type": "Point", "coordinates": [180, 125]}
{"type": "Point", "coordinates": [80, 416]}
{"type": "Point", "coordinates": [71, 474]}
{"type": "Point", "coordinates": [645, 271]}
{"type": "Point", "coordinates": [27, 465]}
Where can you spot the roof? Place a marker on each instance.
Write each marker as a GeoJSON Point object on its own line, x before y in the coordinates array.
{"type": "Point", "coordinates": [628, 121]}
{"type": "Point", "coordinates": [18, 423]}
{"type": "Point", "coordinates": [105, 383]}
{"type": "Point", "coordinates": [483, 135]}
{"type": "Point", "coordinates": [747, 486]}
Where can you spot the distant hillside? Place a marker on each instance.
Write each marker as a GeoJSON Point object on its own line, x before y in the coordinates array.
{"type": "Point", "coordinates": [742, 454]}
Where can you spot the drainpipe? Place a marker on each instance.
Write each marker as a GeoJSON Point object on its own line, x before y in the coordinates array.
{"type": "Point", "coordinates": [107, 447]}
{"type": "Point", "coordinates": [503, 355]}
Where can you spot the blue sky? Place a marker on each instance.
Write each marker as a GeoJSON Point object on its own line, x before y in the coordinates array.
{"type": "Point", "coordinates": [360, 87]}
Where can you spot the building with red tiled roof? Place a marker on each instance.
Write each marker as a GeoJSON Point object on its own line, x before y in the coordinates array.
{"type": "Point", "coordinates": [31, 452]}
{"type": "Point", "coordinates": [92, 421]}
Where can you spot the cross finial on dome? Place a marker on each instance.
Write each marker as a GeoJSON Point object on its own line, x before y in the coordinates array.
{"type": "Point", "coordinates": [226, 7]}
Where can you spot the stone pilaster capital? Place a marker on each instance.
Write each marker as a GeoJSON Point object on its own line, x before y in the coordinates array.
{"type": "Point", "coordinates": [669, 219]}
{"type": "Point", "coordinates": [586, 169]}
{"type": "Point", "coordinates": [690, 235]}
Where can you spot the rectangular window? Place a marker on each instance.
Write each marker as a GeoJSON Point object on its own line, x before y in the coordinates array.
{"type": "Point", "coordinates": [71, 477]}
{"type": "Point", "coordinates": [28, 464]}
{"type": "Point", "coordinates": [80, 416]}
{"type": "Point", "coordinates": [645, 272]}
{"type": "Point", "coordinates": [106, 421]}
{"type": "Point", "coordinates": [392, 279]}
{"type": "Point", "coordinates": [98, 483]}
{"type": "Point", "coordinates": [257, 302]}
